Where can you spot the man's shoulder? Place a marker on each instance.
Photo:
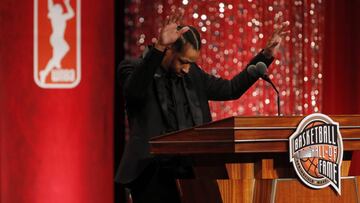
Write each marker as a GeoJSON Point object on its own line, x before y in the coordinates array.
{"type": "Point", "coordinates": [130, 62]}
{"type": "Point", "coordinates": [196, 70]}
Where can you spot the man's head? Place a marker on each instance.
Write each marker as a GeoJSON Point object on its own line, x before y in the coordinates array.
{"type": "Point", "coordinates": [183, 52]}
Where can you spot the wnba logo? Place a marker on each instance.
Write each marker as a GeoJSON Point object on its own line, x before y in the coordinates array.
{"type": "Point", "coordinates": [316, 151]}
{"type": "Point", "coordinates": [57, 62]}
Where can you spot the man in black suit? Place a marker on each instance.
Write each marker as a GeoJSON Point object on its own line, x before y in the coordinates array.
{"type": "Point", "coordinates": [166, 91]}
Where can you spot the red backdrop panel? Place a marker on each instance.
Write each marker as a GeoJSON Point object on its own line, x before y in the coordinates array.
{"type": "Point", "coordinates": [56, 144]}
{"type": "Point", "coordinates": [341, 88]}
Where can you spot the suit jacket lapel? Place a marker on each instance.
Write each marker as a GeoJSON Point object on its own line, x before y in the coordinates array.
{"type": "Point", "coordinates": [193, 100]}
{"type": "Point", "coordinates": [160, 81]}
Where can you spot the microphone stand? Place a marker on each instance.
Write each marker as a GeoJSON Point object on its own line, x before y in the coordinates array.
{"type": "Point", "coordinates": [261, 70]}
{"type": "Point", "coordinates": [266, 78]}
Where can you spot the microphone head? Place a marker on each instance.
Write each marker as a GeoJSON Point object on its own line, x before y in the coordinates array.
{"type": "Point", "coordinates": [261, 68]}
{"type": "Point", "coordinates": [251, 69]}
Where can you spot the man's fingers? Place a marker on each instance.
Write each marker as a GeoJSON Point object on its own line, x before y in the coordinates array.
{"type": "Point", "coordinates": [172, 16]}
{"type": "Point", "coordinates": [179, 16]}
{"type": "Point", "coordinates": [176, 18]}
{"type": "Point", "coordinates": [279, 29]}
{"type": "Point", "coordinates": [167, 20]}
{"type": "Point", "coordinates": [171, 19]}
{"type": "Point", "coordinates": [283, 26]}
{"type": "Point", "coordinates": [284, 33]}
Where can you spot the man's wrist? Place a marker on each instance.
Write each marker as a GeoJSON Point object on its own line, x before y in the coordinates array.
{"type": "Point", "coordinates": [268, 53]}
{"type": "Point", "coordinates": [160, 47]}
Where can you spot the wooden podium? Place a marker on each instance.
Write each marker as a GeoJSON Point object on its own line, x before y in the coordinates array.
{"type": "Point", "coordinates": [246, 159]}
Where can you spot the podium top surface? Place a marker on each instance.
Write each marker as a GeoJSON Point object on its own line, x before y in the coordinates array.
{"type": "Point", "coordinates": [247, 135]}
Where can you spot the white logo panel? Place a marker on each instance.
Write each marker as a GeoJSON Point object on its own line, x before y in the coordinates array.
{"type": "Point", "coordinates": [57, 43]}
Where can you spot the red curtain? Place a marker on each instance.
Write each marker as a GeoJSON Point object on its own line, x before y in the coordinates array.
{"type": "Point", "coordinates": [56, 144]}
{"type": "Point", "coordinates": [341, 88]}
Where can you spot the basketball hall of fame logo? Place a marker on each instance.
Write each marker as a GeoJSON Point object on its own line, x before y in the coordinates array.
{"type": "Point", "coordinates": [316, 151]}
{"type": "Point", "coordinates": [57, 44]}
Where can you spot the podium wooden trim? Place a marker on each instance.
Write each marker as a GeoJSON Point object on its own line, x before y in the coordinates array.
{"type": "Point", "coordinates": [245, 159]}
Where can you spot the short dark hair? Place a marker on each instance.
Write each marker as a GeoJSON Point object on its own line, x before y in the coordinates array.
{"type": "Point", "coordinates": [191, 36]}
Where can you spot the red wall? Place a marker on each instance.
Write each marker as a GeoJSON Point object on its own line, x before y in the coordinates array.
{"type": "Point", "coordinates": [56, 144]}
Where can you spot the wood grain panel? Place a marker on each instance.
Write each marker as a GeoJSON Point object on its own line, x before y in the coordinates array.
{"type": "Point", "coordinates": [234, 191]}
{"type": "Point", "coordinates": [292, 190]}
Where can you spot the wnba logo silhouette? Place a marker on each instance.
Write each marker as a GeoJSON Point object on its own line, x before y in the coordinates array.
{"type": "Point", "coordinates": [57, 62]}
{"type": "Point", "coordinates": [316, 151]}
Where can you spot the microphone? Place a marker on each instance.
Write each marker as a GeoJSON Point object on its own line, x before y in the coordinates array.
{"type": "Point", "coordinates": [260, 70]}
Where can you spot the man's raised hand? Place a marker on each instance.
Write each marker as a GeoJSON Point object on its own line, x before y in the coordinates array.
{"type": "Point", "coordinates": [168, 32]}
{"type": "Point", "coordinates": [276, 37]}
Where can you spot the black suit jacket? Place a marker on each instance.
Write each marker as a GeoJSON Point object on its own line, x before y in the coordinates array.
{"type": "Point", "coordinates": [143, 84]}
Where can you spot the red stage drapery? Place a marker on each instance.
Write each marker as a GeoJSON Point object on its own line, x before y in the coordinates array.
{"type": "Point", "coordinates": [56, 144]}
{"type": "Point", "coordinates": [341, 88]}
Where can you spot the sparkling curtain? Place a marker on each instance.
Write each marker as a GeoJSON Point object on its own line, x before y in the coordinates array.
{"type": "Point", "coordinates": [234, 31]}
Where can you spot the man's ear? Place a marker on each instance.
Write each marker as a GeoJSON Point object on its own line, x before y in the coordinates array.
{"type": "Point", "coordinates": [170, 51]}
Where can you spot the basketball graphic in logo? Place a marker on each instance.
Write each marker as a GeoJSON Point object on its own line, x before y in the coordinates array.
{"type": "Point", "coordinates": [316, 151]}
